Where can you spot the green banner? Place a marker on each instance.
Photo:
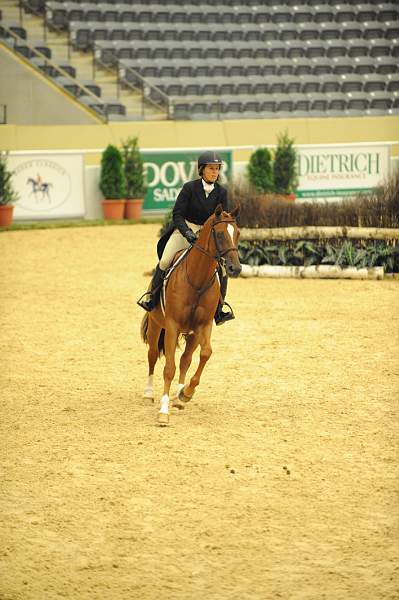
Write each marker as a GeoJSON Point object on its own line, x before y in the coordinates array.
{"type": "Point", "coordinates": [166, 172]}
{"type": "Point", "coordinates": [330, 193]}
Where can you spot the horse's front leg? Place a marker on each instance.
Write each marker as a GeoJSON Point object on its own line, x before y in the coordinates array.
{"type": "Point", "coordinates": [192, 342]}
{"type": "Point", "coordinates": [206, 351]}
{"type": "Point", "coordinates": [170, 343]}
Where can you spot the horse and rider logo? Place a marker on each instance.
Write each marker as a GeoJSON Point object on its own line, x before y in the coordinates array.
{"type": "Point", "coordinates": [40, 188]}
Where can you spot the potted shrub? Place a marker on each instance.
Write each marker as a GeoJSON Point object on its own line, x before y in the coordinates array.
{"type": "Point", "coordinates": [7, 193]}
{"type": "Point", "coordinates": [133, 166]}
{"type": "Point", "coordinates": [260, 171]}
{"type": "Point", "coordinates": [285, 168]}
{"type": "Point", "coordinates": [112, 183]}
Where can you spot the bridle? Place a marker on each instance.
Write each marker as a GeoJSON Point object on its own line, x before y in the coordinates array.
{"type": "Point", "coordinates": [220, 255]}
{"type": "Point", "coordinates": [219, 258]}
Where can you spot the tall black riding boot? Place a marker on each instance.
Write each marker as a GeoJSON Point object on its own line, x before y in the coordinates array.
{"type": "Point", "coordinates": [221, 316]}
{"type": "Point", "coordinates": [155, 292]}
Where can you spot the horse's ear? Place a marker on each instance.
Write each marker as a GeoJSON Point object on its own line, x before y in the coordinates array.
{"type": "Point", "coordinates": [236, 211]}
{"type": "Point", "coordinates": [218, 210]}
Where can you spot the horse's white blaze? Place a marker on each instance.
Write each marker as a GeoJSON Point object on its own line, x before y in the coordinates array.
{"type": "Point", "coordinates": [164, 404]}
{"type": "Point", "coordinates": [230, 229]}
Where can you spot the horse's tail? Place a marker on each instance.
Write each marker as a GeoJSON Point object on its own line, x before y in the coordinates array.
{"type": "Point", "coordinates": [144, 336]}
{"type": "Point", "coordinates": [161, 343]}
{"type": "Point", "coordinates": [144, 328]}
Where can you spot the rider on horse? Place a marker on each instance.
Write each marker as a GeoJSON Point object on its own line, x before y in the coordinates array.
{"type": "Point", "coordinates": [195, 203]}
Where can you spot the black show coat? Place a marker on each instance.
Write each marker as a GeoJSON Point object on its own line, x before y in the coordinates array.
{"type": "Point", "coordinates": [193, 206]}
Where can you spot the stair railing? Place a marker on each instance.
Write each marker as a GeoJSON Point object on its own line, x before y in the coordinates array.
{"type": "Point", "coordinates": [3, 114]}
{"type": "Point", "coordinates": [99, 112]}
{"type": "Point", "coordinates": [150, 93]}
{"type": "Point", "coordinates": [37, 13]}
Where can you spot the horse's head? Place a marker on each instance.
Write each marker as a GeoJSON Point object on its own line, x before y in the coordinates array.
{"type": "Point", "coordinates": [226, 235]}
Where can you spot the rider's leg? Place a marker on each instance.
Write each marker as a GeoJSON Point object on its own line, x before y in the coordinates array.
{"type": "Point", "coordinates": [155, 290]}
{"type": "Point", "coordinates": [175, 243]}
{"type": "Point", "coordinates": [220, 315]}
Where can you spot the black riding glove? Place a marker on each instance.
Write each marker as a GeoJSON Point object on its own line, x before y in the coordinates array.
{"type": "Point", "coordinates": [190, 236]}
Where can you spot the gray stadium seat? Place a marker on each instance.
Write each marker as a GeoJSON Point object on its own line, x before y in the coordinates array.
{"type": "Point", "coordinates": [374, 82]}
{"type": "Point", "coordinates": [380, 101]}
{"type": "Point", "coordinates": [357, 102]}
{"type": "Point", "coordinates": [303, 13]}
{"type": "Point", "coordinates": [69, 85]}
{"type": "Point", "coordinates": [372, 31]}
{"type": "Point", "coordinates": [363, 65]}
{"type": "Point", "coordinates": [330, 85]}
{"type": "Point", "coordinates": [366, 13]}
{"type": "Point", "coordinates": [352, 30]}
{"type": "Point", "coordinates": [388, 12]}
{"type": "Point", "coordinates": [345, 13]}
{"type": "Point", "coordinates": [358, 48]}
{"type": "Point", "coordinates": [337, 102]}
{"type": "Point", "coordinates": [351, 83]}
{"type": "Point", "coordinates": [324, 14]}
{"type": "Point", "coordinates": [329, 31]}
{"type": "Point", "coordinates": [318, 102]}
{"type": "Point", "coordinates": [310, 84]}
{"type": "Point", "coordinates": [392, 83]}
{"type": "Point", "coordinates": [322, 66]}
{"type": "Point", "coordinates": [308, 31]}
{"type": "Point", "coordinates": [381, 47]}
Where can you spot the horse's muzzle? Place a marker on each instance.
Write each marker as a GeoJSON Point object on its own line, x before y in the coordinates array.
{"type": "Point", "coordinates": [233, 270]}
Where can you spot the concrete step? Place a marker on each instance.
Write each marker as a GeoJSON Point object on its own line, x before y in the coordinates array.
{"type": "Point", "coordinates": [82, 61]}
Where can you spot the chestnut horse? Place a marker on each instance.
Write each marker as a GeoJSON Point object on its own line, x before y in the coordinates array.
{"type": "Point", "coordinates": [191, 298]}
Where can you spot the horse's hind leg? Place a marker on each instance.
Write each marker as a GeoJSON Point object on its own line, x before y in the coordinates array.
{"type": "Point", "coordinates": [206, 351]}
{"type": "Point", "coordinates": [153, 333]}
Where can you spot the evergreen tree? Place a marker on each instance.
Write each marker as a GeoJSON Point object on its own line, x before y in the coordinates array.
{"type": "Point", "coordinates": [260, 170]}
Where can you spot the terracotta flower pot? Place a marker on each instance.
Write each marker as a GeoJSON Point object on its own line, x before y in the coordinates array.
{"type": "Point", "coordinates": [113, 210]}
{"type": "Point", "coordinates": [6, 214]}
{"type": "Point", "coordinates": [286, 197]}
{"type": "Point", "coordinates": [133, 208]}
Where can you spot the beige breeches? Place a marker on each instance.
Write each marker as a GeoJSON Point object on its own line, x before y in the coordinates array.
{"type": "Point", "coordinates": [175, 243]}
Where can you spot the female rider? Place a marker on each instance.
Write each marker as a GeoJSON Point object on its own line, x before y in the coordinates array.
{"type": "Point", "coordinates": [195, 203]}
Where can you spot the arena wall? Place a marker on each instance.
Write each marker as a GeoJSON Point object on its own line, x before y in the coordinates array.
{"type": "Point", "coordinates": [202, 134]}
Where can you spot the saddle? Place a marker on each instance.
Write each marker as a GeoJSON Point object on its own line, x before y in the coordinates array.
{"type": "Point", "coordinates": [177, 259]}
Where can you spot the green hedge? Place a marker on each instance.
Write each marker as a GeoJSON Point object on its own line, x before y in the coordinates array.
{"type": "Point", "coordinates": [341, 252]}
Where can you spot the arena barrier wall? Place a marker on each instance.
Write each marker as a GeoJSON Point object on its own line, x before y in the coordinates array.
{"type": "Point", "coordinates": [60, 184]}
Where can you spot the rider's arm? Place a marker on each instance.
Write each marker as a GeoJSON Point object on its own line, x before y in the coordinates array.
{"type": "Point", "coordinates": [180, 210]}
{"type": "Point", "coordinates": [224, 199]}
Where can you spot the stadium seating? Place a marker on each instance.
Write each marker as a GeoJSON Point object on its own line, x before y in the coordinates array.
{"type": "Point", "coordinates": [237, 59]}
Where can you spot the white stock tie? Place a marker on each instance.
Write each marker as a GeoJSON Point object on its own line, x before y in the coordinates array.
{"type": "Point", "coordinates": [208, 187]}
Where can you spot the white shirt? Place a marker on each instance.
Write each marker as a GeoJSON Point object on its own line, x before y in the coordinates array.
{"type": "Point", "coordinates": [208, 187]}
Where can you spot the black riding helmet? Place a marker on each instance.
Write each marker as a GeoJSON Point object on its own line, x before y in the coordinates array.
{"type": "Point", "coordinates": [208, 158]}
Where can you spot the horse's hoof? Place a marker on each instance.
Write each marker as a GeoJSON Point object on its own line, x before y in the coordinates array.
{"type": "Point", "coordinates": [183, 398]}
{"type": "Point", "coordinates": [163, 419]}
{"type": "Point", "coordinates": [177, 403]}
{"type": "Point", "coordinates": [148, 395]}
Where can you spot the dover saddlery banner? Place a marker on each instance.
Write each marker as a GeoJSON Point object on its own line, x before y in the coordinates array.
{"type": "Point", "coordinates": [166, 172]}
{"type": "Point", "coordinates": [329, 171]}
{"type": "Point", "coordinates": [50, 186]}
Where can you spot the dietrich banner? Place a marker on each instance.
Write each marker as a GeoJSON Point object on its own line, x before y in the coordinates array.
{"type": "Point", "coordinates": [341, 170]}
